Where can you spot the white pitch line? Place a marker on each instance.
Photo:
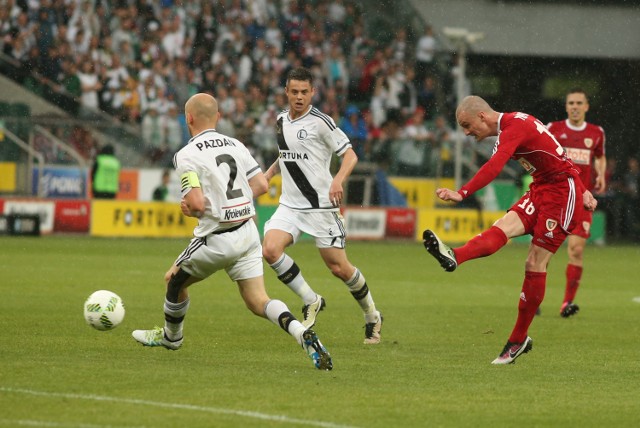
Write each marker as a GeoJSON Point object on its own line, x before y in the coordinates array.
{"type": "Point", "coordinates": [218, 410]}
{"type": "Point", "coordinates": [50, 424]}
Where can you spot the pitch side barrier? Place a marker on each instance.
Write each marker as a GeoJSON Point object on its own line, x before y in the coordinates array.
{"type": "Point", "coordinates": [67, 208]}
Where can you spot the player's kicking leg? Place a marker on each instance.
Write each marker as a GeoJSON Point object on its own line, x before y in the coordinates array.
{"type": "Point", "coordinates": [441, 252]}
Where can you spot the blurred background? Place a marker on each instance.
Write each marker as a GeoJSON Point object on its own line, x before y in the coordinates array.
{"type": "Point", "coordinates": [78, 76]}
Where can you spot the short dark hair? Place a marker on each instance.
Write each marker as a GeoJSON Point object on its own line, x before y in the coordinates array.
{"type": "Point", "coordinates": [300, 73]}
{"type": "Point", "coordinates": [577, 90]}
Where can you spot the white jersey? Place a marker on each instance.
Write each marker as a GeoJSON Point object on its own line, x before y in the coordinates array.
{"type": "Point", "coordinates": [223, 166]}
{"type": "Point", "coordinates": [306, 146]}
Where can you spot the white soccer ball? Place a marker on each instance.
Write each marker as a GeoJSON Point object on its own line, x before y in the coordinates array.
{"type": "Point", "coordinates": [104, 310]}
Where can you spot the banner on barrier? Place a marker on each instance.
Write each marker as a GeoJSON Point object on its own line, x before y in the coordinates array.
{"type": "Point", "coordinates": [128, 185]}
{"type": "Point", "coordinates": [365, 223]}
{"type": "Point", "coordinates": [60, 182]}
{"type": "Point", "coordinates": [140, 219]}
{"type": "Point", "coordinates": [72, 216]}
{"type": "Point", "coordinates": [420, 192]}
{"type": "Point", "coordinates": [401, 222]}
{"type": "Point", "coordinates": [455, 225]}
{"type": "Point", "coordinates": [43, 209]}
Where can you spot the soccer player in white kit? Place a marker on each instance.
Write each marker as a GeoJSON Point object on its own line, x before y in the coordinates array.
{"type": "Point", "coordinates": [310, 201]}
{"type": "Point", "coordinates": [219, 179]}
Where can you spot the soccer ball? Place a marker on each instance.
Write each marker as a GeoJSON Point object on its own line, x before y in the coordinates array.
{"type": "Point", "coordinates": [104, 310]}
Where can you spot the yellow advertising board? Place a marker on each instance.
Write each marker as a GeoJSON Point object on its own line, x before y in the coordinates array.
{"type": "Point", "coordinates": [139, 219]}
{"type": "Point", "coordinates": [272, 197]}
{"type": "Point", "coordinates": [455, 225]}
{"type": "Point", "coordinates": [420, 192]}
{"type": "Point", "coordinates": [7, 177]}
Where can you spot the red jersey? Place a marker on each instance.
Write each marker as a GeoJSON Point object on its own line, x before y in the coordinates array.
{"type": "Point", "coordinates": [526, 140]}
{"type": "Point", "coordinates": [582, 145]}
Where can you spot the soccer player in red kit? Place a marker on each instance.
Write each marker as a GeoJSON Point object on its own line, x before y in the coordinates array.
{"type": "Point", "coordinates": [585, 146]}
{"type": "Point", "coordinates": [546, 211]}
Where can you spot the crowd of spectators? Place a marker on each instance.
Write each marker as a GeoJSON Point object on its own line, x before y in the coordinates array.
{"type": "Point", "coordinates": [140, 60]}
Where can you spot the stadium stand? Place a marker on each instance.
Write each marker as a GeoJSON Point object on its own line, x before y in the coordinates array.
{"type": "Point", "coordinates": [147, 58]}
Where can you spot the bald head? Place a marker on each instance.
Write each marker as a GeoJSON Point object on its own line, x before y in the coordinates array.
{"type": "Point", "coordinates": [477, 118]}
{"type": "Point", "coordinates": [201, 111]}
{"type": "Point", "coordinates": [473, 105]}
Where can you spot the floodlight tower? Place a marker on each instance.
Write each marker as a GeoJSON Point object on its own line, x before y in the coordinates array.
{"type": "Point", "coordinates": [461, 39]}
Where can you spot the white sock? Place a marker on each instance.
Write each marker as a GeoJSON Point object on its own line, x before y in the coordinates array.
{"type": "Point", "coordinates": [360, 291]}
{"type": "Point", "coordinates": [278, 313]}
{"type": "Point", "coordinates": [289, 273]}
{"type": "Point", "coordinates": [174, 314]}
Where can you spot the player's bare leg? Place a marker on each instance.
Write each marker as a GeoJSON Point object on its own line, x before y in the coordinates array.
{"type": "Point", "coordinates": [336, 260]}
{"type": "Point", "coordinates": [176, 305]}
{"type": "Point", "coordinates": [273, 246]}
{"type": "Point", "coordinates": [255, 297]}
{"type": "Point", "coordinates": [576, 246]}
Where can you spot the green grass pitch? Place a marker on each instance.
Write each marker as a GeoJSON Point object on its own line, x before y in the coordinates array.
{"type": "Point", "coordinates": [432, 368]}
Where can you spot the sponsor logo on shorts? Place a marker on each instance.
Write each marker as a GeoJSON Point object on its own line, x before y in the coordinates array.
{"type": "Point", "coordinates": [549, 235]}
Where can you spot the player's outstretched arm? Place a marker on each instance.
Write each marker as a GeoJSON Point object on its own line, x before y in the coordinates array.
{"type": "Point", "coordinates": [448, 195]}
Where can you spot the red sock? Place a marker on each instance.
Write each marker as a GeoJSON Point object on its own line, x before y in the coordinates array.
{"type": "Point", "coordinates": [532, 294]}
{"type": "Point", "coordinates": [574, 273]}
{"type": "Point", "coordinates": [482, 245]}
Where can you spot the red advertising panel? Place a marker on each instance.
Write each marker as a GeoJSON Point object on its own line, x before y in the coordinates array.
{"type": "Point", "coordinates": [72, 216]}
{"type": "Point", "coordinates": [401, 222]}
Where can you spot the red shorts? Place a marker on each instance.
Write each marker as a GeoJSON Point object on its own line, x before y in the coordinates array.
{"type": "Point", "coordinates": [584, 219]}
{"type": "Point", "coordinates": [550, 212]}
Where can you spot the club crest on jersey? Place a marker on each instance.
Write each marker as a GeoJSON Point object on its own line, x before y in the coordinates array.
{"type": "Point", "coordinates": [526, 165]}
{"type": "Point", "coordinates": [302, 134]}
{"type": "Point", "coordinates": [588, 142]}
{"type": "Point", "coordinates": [551, 224]}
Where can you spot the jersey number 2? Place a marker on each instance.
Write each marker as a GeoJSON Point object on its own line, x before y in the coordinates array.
{"type": "Point", "coordinates": [233, 172]}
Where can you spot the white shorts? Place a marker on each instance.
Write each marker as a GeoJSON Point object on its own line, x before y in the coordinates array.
{"type": "Point", "coordinates": [239, 252]}
{"type": "Point", "coordinates": [327, 227]}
